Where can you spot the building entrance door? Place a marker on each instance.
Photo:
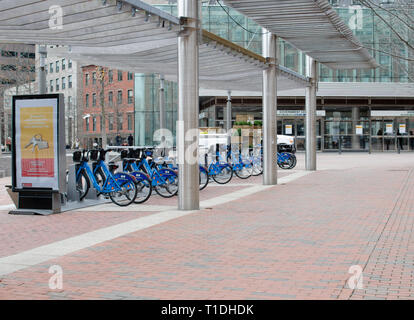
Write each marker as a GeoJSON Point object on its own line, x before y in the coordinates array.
{"type": "Point", "coordinates": [295, 126]}
{"type": "Point", "coordinates": [389, 135]}
{"type": "Point", "coordinates": [346, 135]}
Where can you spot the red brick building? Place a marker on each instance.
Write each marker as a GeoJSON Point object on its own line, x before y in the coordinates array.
{"type": "Point", "coordinates": [117, 109]}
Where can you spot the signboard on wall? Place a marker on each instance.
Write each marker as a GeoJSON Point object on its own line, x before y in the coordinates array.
{"type": "Point", "coordinates": [37, 142]}
{"type": "Point", "coordinates": [358, 129]}
{"type": "Point", "coordinates": [388, 128]}
{"type": "Point", "coordinates": [392, 113]}
{"type": "Point", "coordinates": [298, 113]}
{"type": "Point", "coordinates": [288, 129]}
{"type": "Point", "coordinates": [402, 128]}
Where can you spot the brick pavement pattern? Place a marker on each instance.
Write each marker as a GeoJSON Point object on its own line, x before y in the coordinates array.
{"type": "Point", "coordinates": [291, 241]}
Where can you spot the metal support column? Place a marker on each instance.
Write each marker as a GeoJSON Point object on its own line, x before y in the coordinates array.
{"type": "Point", "coordinates": [188, 106]}
{"type": "Point", "coordinates": [356, 139]}
{"type": "Point", "coordinates": [162, 102]}
{"type": "Point", "coordinates": [310, 123]}
{"type": "Point", "coordinates": [269, 110]}
{"type": "Point", "coordinates": [228, 117]}
{"type": "Point", "coordinates": [42, 71]}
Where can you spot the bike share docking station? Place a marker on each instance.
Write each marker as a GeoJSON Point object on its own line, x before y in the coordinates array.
{"type": "Point", "coordinates": [39, 158]}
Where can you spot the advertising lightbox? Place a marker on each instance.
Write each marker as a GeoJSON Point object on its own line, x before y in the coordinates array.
{"type": "Point", "coordinates": [36, 142]}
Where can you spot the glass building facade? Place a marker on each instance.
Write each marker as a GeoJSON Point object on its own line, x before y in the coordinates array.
{"type": "Point", "coordinates": [374, 33]}
{"type": "Point", "coordinates": [343, 123]}
{"type": "Point", "coordinates": [147, 107]}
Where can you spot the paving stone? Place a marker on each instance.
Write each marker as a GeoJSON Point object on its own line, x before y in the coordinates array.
{"type": "Point", "coordinates": [270, 245]}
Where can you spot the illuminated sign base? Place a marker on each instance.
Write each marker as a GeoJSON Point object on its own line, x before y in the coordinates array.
{"type": "Point", "coordinates": [38, 154]}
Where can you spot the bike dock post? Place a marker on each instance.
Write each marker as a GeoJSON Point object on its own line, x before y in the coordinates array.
{"type": "Point", "coordinates": [72, 194]}
{"type": "Point", "coordinates": [340, 144]}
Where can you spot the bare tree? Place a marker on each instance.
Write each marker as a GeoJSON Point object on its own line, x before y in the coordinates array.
{"type": "Point", "coordinates": [395, 31]}
{"type": "Point", "coordinates": [17, 68]}
{"type": "Point", "coordinates": [102, 83]}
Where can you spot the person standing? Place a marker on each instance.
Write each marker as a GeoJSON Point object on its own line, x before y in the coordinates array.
{"type": "Point", "coordinates": [130, 140]}
{"type": "Point", "coordinates": [400, 140]}
{"type": "Point", "coordinates": [118, 140]}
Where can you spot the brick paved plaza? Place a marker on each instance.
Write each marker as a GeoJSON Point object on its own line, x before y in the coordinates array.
{"type": "Point", "coordinates": [296, 240]}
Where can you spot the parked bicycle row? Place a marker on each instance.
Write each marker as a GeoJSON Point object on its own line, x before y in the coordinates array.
{"type": "Point", "coordinates": [140, 172]}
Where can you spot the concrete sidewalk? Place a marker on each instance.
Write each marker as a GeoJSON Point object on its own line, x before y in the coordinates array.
{"type": "Point", "coordinates": [296, 240]}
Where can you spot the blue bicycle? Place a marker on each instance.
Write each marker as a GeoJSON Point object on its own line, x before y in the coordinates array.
{"type": "Point", "coordinates": [243, 168]}
{"type": "Point", "coordinates": [164, 181]}
{"type": "Point", "coordinates": [220, 171]}
{"type": "Point", "coordinates": [165, 162]}
{"type": "Point", "coordinates": [143, 181]}
{"type": "Point", "coordinates": [286, 160]}
{"type": "Point", "coordinates": [119, 187]}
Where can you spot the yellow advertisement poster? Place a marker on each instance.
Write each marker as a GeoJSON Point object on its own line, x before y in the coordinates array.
{"type": "Point", "coordinates": [36, 142]}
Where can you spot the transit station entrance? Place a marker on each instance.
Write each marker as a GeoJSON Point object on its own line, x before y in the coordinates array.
{"type": "Point", "coordinates": [374, 128]}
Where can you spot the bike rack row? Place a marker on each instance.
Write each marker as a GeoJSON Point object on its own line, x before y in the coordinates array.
{"type": "Point", "coordinates": [214, 161]}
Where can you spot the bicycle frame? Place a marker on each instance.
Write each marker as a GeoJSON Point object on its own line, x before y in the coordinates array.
{"type": "Point", "coordinates": [110, 184]}
{"type": "Point", "coordinates": [154, 175]}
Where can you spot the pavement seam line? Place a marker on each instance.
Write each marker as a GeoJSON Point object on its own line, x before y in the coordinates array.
{"type": "Point", "coordinates": [28, 258]}
{"type": "Point", "coordinates": [401, 193]}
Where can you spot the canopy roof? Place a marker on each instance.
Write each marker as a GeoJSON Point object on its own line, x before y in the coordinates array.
{"type": "Point", "coordinates": [134, 36]}
{"type": "Point", "coordinates": [312, 26]}
{"type": "Point", "coordinates": [223, 65]}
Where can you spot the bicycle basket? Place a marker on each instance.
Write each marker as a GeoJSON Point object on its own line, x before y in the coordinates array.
{"type": "Point", "coordinates": [148, 153]}
{"type": "Point", "coordinates": [77, 156]}
{"type": "Point", "coordinates": [94, 155]}
{"type": "Point", "coordinates": [131, 153]}
{"type": "Point", "coordinates": [135, 153]}
{"type": "Point", "coordinates": [102, 155]}
{"type": "Point", "coordinates": [124, 154]}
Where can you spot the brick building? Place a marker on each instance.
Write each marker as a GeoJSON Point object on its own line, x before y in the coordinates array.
{"type": "Point", "coordinates": [117, 109]}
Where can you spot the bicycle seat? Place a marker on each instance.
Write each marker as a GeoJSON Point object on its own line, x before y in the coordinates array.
{"type": "Point", "coordinates": [94, 155]}
{"type": "Point", "coordinates": [77, 156]}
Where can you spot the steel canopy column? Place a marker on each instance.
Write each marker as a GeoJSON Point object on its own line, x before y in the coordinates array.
{"type": "Point", "coordinates": [310, 123]}
{"type": "Point", "coordinates": [188, 108]}
{"type": "Point", "coordinates": [42, 70]}
{"type": "Point", "coordinates": [269, 110]}
{"type": "Point", "coordinates": [228, 117]}
{"type": "Point", "coordinates": [162, 102]}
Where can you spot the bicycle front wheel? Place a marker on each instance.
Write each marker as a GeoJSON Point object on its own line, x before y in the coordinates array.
{"type": "Point", "coordinates": [144, 190]}
{"type": "Point", "coordinates": [127, 190]}
{"type": "Point", "coordinates": [168, 186]}
{"type": "Point", "coordinates": [245, 172]}
{"type": "Point", "coordinates": [225, 174]}
{"type": "Point", "coordinates": [285, 161]}
{"type": "Point", "coordinates": [100, 178]}
{"type": "Point", "coordinates": [203, 178]}
{"type": "Point", "coordinates": [82, 184]}
{"type": "Point", "coordinates": [294, 161]}
{"type": "Point", "coordinates": [257, 167]}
